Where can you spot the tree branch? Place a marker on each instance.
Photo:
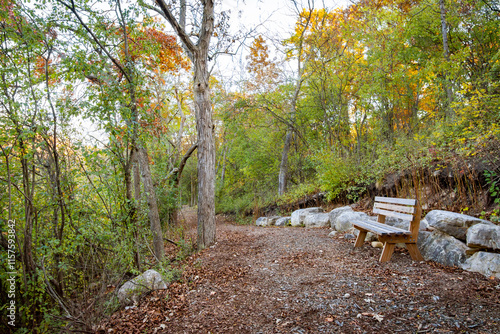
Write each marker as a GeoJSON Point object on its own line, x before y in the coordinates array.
{"type": "Point", "coordinates": [186, 41]}
{"type": "Point", "coordinates": [176, 173]}
{"type": "Point", "coordinates": [207, 23]}
{"type": "Point", "coordinates": [72, 8]}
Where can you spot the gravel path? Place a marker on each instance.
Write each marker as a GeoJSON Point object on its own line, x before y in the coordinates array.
{"type": "Point", "coordinates": [297, 280]}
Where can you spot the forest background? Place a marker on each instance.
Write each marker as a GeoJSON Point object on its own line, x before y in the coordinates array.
{"type": "Point", "coordinates": [352, 95]}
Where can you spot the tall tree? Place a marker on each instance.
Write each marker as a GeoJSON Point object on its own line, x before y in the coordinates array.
{"type": "Point", "coordinates": [198, 52]}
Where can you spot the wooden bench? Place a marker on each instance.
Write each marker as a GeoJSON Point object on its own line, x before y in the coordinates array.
{"type": "Point", "coordinates": [406, 209]}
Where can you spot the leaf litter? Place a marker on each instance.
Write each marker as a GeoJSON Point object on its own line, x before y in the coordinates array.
{"type": "Point", "coordinates": [297, 280]}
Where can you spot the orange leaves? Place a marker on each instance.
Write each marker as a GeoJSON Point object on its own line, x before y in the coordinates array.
{"type": "Point", "coordinates": [39, 70]}
{"type": "Point", "coordinates": [158, 49]}
{"type": "Point", "coordinates": [40, 67]}
{"type": "Point", "coordinates": [155, 125]}
{"type": "Point", "coordinates": [259, 53]}
{"type": "Point", "coordinates": [7, 8]}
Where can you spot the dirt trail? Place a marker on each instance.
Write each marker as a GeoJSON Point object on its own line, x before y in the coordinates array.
{"type": "Point", "coordinates": [297, 280]}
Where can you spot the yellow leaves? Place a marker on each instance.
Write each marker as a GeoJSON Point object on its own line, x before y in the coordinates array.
{"type": "Point", "coordinates": [264, 70]}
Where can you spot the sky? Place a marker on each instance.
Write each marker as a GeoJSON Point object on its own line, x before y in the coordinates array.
{"type": "Point", "coordinates": [276, 16]}
{"type": "Point", "coordinates": [274, 19]}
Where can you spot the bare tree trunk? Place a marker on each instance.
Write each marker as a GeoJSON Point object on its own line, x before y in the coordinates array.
{"type": "Point", "coordinates": [181, 124]}
{"type": "Point", "coordinates": [154, 217]}
{"type": "Point", "coordinates": [223, 171]}
{"type": "Point", "coordinates": [178, 144]}
{"type": "Point", "coordinates": [198, 54]}
{"type": "Point", "coordinates": [446, 55]}
{"type": "Point", "coordinates": [206, 157]}
{"type": "Point", "coordinates": [27, 256]}
{"type": "Point", "coordinates": [192, 201]}
{"type": "Point", "coordinates": [137, 196]}
{"type": "Point", "coordinates": [282, 177]}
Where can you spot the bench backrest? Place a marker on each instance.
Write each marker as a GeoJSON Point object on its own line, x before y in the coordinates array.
{"type": "Point", "coordinates": [406, 209]}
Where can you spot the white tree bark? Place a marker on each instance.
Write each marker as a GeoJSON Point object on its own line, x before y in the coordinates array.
{"type": "Point", "coordinates": [198, 54]}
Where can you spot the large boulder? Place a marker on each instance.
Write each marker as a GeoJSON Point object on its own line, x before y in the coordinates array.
{"type": "Point", "coordinates": [298, 216]}
{"type": "Point", "coordinates": [442, 248]}
{"type": "Point", "coordinates": [344, 220]}
{"type": "Point", "coordinates": [484, 236]}
{"type": "Point", "coordinates": [452, 223]}
{"type": "Point", "coordinates": [272, 220]}
{"type": "Point", "coordinates": [317, 220]}
{"type": "Point", "coordinates": [267, 221]}
{"type": "Point", "coordinates": [283, 221]}
{"type": "Point", "coordinates": [131, 291]}
{"type": "Point", "coordinates": [485, 263]}
{"type": "Point", "coordinates": [335, 213]}
{"type": "Point", "coordinates": [262, 221]}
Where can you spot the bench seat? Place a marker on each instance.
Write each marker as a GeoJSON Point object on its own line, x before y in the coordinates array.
{"type": "Point", "coordinates": [380, 229]}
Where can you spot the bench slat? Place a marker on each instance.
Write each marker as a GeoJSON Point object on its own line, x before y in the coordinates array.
{"type": "Point", "coordinates": [371, 228]}
{"type": "Point", "coordinates": [403, 216]}
{"type": "Point", "coordinates": [382, 226]}
{"type": "Point", "coordinates": [400, 208]}
{"type": "Point", "coordinates": [393, 200]}
{"type": "Point", "coordinates": [377, 230]}
{"type": "Point", "coordinates": [389, 227]}
{"type": "Point", "coordinates": [381, 229]}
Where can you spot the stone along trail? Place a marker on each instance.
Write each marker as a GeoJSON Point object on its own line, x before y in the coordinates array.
{"type": "Point", "coordinates": [296, 280]}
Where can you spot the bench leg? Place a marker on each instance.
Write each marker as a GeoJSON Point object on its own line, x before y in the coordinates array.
{"type": "Point", "coordinates": [414, 252]}
{"type": "Point", "coordinates": [360, 239]}
{"type": "Point", "coordinates": [387, 252]}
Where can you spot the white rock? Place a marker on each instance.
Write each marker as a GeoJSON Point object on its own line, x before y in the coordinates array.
{"type": "Point", "coordinates": [262, 221]}
{"type": "Point", "coordinates": [484, 235]}
{"type": "Point", "coordinates": [345, 219]}
{"type": "Point", "coordinates": [424, 224]}
{"type": "Point", "coordinates": [298, 216]}
{"type": "Point", "coordinates": [485, 263]}
{"type": "Point", "coordinates": [271, 221]}
{"type": "Point", "coordinates": [333, 234]}
{"type": "Point", "coordinates": [131, 291]}
{"type": "Point", "coordinates": [317, 220]}
{"type": "Point", "coordinates": [335, 213]}
{"type": "Point", "coordinates": [452, 223]}
{"type": "Point", "coordinates": [283, 221]}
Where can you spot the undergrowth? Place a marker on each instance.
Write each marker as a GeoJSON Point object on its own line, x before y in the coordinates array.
{"type": "Point", "coordinates": [418, 157]}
